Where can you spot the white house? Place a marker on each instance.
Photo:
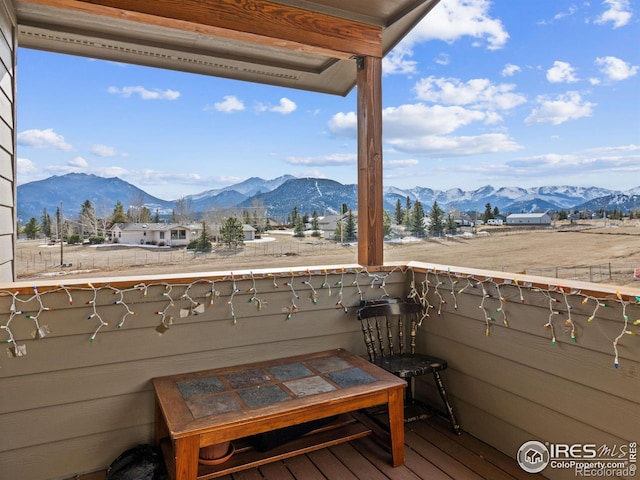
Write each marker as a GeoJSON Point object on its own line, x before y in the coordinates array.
{"type": "Point", "coordinates": [161, 234]}
{"type": "Point", "coordinates": [529, 219]}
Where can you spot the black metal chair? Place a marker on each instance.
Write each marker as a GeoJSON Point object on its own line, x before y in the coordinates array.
{"type": "Point", "coordinates": [387, 326]}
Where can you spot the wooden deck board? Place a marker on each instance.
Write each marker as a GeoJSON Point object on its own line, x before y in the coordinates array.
{"type": "Point", "coordinates": [432, 452]}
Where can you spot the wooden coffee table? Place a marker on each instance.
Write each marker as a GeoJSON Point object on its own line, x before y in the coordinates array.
{"type": "Point", "coordinates": [200, 409]}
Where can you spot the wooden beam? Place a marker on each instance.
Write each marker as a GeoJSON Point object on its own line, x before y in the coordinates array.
{"type": "Point", "coordinates": [254, 21]}
{"type": "Point", "coordinates": [370, 229]}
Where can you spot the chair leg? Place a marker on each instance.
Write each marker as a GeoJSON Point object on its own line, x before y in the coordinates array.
{"type": "Point", "coordinates": [447, 404]}
{"type": "Point", "coordinates": [411, 400]}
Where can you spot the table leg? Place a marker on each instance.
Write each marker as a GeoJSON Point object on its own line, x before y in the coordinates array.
{"type": "Point", "coordinates": [160, 424]}
{"type": "Point", "coordinates": [186, 451]}
{"type": "Point", "coordinates": [396, 426]}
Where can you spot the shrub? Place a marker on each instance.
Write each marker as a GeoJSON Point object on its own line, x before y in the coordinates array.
{"type": "Point", "coordinates": [96, 240]}
{"type": "Point", "coordinates": [74, 239]}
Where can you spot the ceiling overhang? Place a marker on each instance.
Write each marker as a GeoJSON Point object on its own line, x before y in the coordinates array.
{"type": "Point", "coordinates": [303, 44]}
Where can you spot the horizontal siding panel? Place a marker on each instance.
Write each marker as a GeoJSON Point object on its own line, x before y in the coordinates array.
{"type": "Point", "coordinates": [530, 319]}
{"type": "Point", "coordinates": [571, 362]}
{"type": "Point", "coordinates": [81, 384]}
{"type": "Point", "coordinates": [7, 227]}
{"type": "Point", "coordinates": [65, 459]}
{"type": "Point", "coordinates": [6, 271]}
{"type": "Point", "coordinates": [73, 420]}
{"type": "Point", "coordinates": [6, 88]}
{"type": "Point", "coordinates": [6, 249]}
{"type": "Point", "coordinates": [578, 402]}
{"type": "Point", "coordinates": [6, 165]}
{"type": "Point", "coordinates": [6, 191]}
{"type": "Point", "coordinates": [53, 353]}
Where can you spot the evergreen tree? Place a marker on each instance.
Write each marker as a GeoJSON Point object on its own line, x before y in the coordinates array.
{"type": "Point", "coordinates": [32, 229]}
{"type": "Point", "coordinates": [59, 224]}
{"type": "Point", "coordinates": [156, 217]}
{"type": "Point", "coordinates": [298, 227]}
{"type": "Point", "coordinates": [417, 220]}
{"type": "Point", "coordinates": [452, 226]}
{"type": "Point", "coordinates": [386, 223]}
{"type": "Point", "coordinates": [145, 215]}
{"type": "Point", "coordinates": [436, 220]}
{"type": "Point", "coordinates": [45, 222]}
{"type": "Point", "coordinates": [487, 213]}
{"type": "Point", "coordinates": [118, 215]}
{"type": "Point", "coordinates": [231, 232]}
{"type": "Point", "coordinates": [315, 225]}
{"type": "Point", "coordinates": [88, 219]}
{"type": "Point", "coordinates": [350, 227]}
{"type": "Point", "coordinates": [496, 211]}
{"type": "Point", "coordinates": [407, 216]}
{"type": "Point", "coordinates": [294, 216]}
{"type": "Point", "coordinates": [203, 243]}
{"type": "Point", "coordinates": [398, 214]}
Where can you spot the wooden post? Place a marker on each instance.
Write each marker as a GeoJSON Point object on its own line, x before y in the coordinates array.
{"type": "Point", "coordinates": [370, 228]}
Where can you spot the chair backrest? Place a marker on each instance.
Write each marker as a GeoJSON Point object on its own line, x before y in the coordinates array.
{"type": "Point", "coordinates": [386, 323]}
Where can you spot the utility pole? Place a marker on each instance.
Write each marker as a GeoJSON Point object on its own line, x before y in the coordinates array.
{"type": "Point", "coordinates": [61, 233]}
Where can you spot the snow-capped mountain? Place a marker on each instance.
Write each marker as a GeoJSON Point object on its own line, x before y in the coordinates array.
{"type": "Point", "coordinates": [281, 194]}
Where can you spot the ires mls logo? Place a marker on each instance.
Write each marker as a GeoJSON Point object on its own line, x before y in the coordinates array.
{"type": "Point", "coordinates": [585, 459]}
{"type": "Point", "coordinates": [533, 456]}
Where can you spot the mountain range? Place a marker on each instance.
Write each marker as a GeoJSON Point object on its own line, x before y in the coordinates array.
{"type": "Point", "coordinates": [324, 196]}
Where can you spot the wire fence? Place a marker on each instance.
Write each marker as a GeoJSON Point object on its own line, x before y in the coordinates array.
{"type": "Point", "coordinates": [604, 272]}
{"type": "Point", "coordinates": [30, 261]}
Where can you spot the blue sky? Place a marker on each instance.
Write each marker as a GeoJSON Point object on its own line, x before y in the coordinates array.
{"type": "Point", "coordinates": [508, 93]}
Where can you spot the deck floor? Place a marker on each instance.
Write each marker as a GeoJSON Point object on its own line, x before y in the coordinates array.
{"type": "Point", "coordinates": [432, 452]}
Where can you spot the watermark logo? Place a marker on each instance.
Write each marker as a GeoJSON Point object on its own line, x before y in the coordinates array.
{"type": "Point", "coordinates": [533, 456]}
{"type": "Point", "coordinates": [584, 459]}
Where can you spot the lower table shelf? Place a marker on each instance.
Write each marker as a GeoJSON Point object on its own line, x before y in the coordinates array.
{"type": "Point", "coordinates": [344, 429]}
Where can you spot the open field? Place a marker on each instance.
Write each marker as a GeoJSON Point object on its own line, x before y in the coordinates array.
{"type": "Point", "coordinates": [608, 254]}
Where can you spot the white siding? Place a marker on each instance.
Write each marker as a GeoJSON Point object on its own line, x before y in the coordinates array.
{"type": "Point", "coordinates": [7, 142]}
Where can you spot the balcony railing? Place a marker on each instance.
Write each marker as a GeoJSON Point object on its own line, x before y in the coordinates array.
{"type": "Point", "coordinates": [529, 358]}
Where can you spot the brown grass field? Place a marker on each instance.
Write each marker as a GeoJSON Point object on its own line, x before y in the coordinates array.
{"type": "Point", "coordinates": [596, 252]}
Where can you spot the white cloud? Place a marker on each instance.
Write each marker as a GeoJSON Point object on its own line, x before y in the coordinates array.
{"type": "Point", "coordinates": [572, 10]}
{"type": "Point", "coordinates": [561, 72]}
{"type": "Point", "coordinates": [605, 160]}
{"type": "Point", "coordinates": [509, 70]}
{"type": "Point", "coordinates": [451, 20]}
{"type": "Point", "coordinates": [442, 59]}
{"type": "Point", "coordinates": [106, 151]}
{"type": "Point", "coordinates": [393, 164]}
{"type": "Point", "coordinates": [286, 106]}
{"type": "Point", "coordinates": [569, 106]}
{"type": "Point", "coordinates": [228, 105]}
{"type": "Point", "coordinates": [26, 167]}
{"type": "Point", "coordinates": [336, 159]}
{"type": "Point", "coordinates": [145, 94]}
{"type": "Point", "coordinates": [78, 162]}
{"type": "Point", "coordinates": [344, 124]}
{"type": "Point", "coordinates": [448, 21]}
{"type": "Point", "coordinates": [452, 146]}
{"type": "Point", "coordinates": [43, 139]}
{"type": "Point", "coordinates": [418, 120]}
{"type": "Point", "coordinates": [477, 92]}
{"type": "Point", "coordinates": [619, 13]}
{"type": "Point", "coordinates": [615, 69]}
{"type": "Point", "coordinates": [397, 61]}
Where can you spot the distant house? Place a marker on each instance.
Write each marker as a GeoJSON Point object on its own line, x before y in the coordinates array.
{"type": "Point", "coordinates": [161, 234]}
{"type": "Point", "coordinates": [529, 219]}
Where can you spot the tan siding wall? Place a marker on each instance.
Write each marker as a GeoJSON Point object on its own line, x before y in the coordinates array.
{"type": "Point", "coordinates": [7, 135]}
{"type": "Point", "coordinates": [514, 385]}
{"type": "Point", "coordinates": [71, 405]}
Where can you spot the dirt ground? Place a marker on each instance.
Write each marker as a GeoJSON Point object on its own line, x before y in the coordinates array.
{"type": "Point", "coordinates": [608, 254]}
